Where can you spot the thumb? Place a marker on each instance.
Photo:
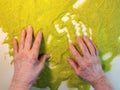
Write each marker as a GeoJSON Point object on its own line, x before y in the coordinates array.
{"type": "Point", "coordinates": [73, 64]}
{"type": "Point", "coordinates": [43, 58]}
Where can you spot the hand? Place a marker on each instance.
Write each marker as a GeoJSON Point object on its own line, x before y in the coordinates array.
{"type": "Point", "coordinates": [27, 65]}
{"type": "Point", "coordinates": [87, 66]}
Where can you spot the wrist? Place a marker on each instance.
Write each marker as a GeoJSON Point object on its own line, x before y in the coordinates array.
{"type": "Point", "coordinates": [98, 81]}
{"type": "Point", "coordinates": [20, 84]}
{"type": "Point", "coordinates": [102, 84]}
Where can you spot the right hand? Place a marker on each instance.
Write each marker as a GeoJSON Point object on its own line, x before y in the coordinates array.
{"type": "Point", "coordinates": [87, 66]}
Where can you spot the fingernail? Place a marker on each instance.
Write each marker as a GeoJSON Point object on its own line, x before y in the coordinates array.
{"type": "Point", "coordinates": [29, 27]}
{"type": "Point", "coordinates": [23, 30]}
{"type": "Point", "coordinates": [84, 36]}
{"type": "Point", "coordinates": [70, 44]}
{"type": "Point", "coordinates": [68, 60]}
{"type": "Point", "coordinates": [16, 37]}
{"type": "Point", "coordinates": [13, 39]}
{"type": "Point", "coordinates": [48, 56]}
{"type": "Point", "coordinates": [40, 32]}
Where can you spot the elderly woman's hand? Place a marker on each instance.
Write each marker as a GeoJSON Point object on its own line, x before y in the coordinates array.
{"type": "Point", "coordinates": [27, 65]}
{"type": "Point", "coordinates": [87, 65]}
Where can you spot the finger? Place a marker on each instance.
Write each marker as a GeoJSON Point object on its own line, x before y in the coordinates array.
{"type": "Point", "coordinates": [37, 43]}
{"type": "Point", "coordinates": [22, 39]}
{"type": "Point", "coordinates": [42, 60]}
{"type": "Point", "coordinates": [75, 53]}
{"type": "Point", "coordinates": [73, 65]}
{"type": "Point", "coordinates": [96, 50]}
{"type": "Point", "coordinates": [83, 47]}
{"type": "Point", "coordinates": [15, 46]}
{"type": "Point", "coordinates": [89, 45]}
{"type": "Point", "coordinates": [28, 41]}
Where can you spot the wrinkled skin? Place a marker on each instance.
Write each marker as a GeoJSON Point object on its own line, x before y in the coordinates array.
{"type": "Point", "coordinates": [26, 62]}
{"type": "Point", "coordinates": [87, 66]}
{"type": "Point", "coordinates": [28, 65]}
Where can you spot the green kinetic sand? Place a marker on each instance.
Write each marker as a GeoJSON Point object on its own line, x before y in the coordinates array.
{"type": "Point", "coordinates": [61, 21]}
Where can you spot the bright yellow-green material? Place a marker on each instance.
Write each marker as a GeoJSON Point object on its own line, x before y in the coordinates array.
{"type": "Point", "coordinates": [102, 16]}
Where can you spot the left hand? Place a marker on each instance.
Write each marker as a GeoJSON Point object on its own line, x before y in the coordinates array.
{"type": "Point", "coordinates": [27, 65]}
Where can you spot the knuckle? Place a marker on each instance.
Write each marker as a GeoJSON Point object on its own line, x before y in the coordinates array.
{"type": "Point", "coordinates": [33, 56]}
{"type": "Point", "coordinates": [83, 67]}
{"type": "Point", "coordinates": [89, 62]}
{"type": "Point", "coordinates": [97, 62]}
{"type": "Point", "coordinates": [37, 43]}
{"type": "Point", "coordinates": [76, 55]}
{"type": "Point", "coordinates": [15, 58]}
{"type": "Point", "coordinates": [34, 47]}
{"type": "Point", "coordinates": [85, 49]}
